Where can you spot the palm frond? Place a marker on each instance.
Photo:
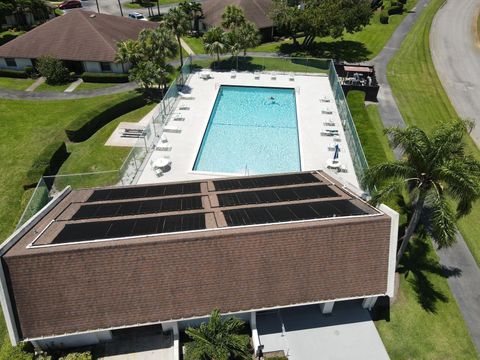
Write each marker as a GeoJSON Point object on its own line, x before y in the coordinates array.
{"type": "Point", "coordinates": [413, 141]}
{"type": "Point", "coordinates": [391, 170]}
{"type": "Point", "coordinates": [442, 220]}
{"type": "Point", "coordinates": [388, 191]}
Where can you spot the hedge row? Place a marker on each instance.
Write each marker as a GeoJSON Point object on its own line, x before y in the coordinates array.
{"type": "Point", "coordinates": [392, 8]}
{"type": "Point", "coordinates": [104, 78]}
{"type": "Point", "coordinates": [47, 163]}
{"type": "Point", "coordinates": [88, 123]}
{"type": "Point", "coordinates": [19, 74]}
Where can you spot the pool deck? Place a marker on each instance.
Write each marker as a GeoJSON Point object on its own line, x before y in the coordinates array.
{"type": "Point", "coordinates": [315, 150]}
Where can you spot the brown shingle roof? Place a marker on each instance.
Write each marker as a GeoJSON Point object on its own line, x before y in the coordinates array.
{"type": "Point", "coordinates": [256, 11]}
{"type": "Point", "coordinates": [78, 36]}
{"type": "Point", "coordinates": [89, 285]}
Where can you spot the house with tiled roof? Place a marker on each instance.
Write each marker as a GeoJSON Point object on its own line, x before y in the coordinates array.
{"type": "Point", "coordinates": [96, 261]}
{"type": "Point", "coordinates": [83, 40]}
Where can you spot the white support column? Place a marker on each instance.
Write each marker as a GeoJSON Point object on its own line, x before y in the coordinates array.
{"type": "Point", "coordinates": [173, 325]}
{"type": "Point", "coordinates": [253, 325]}
{"type": "Point", "coordinates": [327, 307]}
{"type": "Point", "coordinates": [369, 302]}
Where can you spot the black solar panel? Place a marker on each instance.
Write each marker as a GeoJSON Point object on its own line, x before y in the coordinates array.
{"type": "Point", "coordinates": [283, 213]}
{"type": "Point", "coordinates": [275, 195]}
{"type": "Point", "coordinates": [144, 192]}
{"type": "Point", "coordinates": [99, 230]}
{"type": "Point", "coordinates": [127, 208]}
{"type": "Point", "coordinates": [278, 180]}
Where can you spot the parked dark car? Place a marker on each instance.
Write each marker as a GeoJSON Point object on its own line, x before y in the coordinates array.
{"type": "Point", "coordinates": [70, 4]}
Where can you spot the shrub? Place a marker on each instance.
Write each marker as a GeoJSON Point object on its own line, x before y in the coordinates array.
{"type": "Point", "coordinates": [78, 356]}
{"type": "Point", "coordinates": [53, 70]}
{"type": "Point", "coordinates": [47, 163]}
{"type": "Point", "coordinates": [19, 74]}
{"type": "Point", "coordinates": [395, 10]}
{"type": "Point", "coordinates": [403, 2]}
{"type": "Point", "coordinates": [384, 17]}
{"type": "Point", "coordinates": [87, 124]}
{"type": "Point", "coordinates": [104, 78]}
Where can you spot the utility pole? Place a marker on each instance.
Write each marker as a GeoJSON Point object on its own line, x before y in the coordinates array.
{"type": "Point", "coordinates": [120, 5]}
{"type": "Point", "coordinates": [98, 8]}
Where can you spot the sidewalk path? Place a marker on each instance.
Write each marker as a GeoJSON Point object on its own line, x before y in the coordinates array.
{"type": "Point", "coordinates": [456, 56]}
{"type": "Point", "coordinates": [186, 47]}
{"type": "Point", "coordinates": [36, 84]}
{"type": "Point", "coordinates": [466, 287]}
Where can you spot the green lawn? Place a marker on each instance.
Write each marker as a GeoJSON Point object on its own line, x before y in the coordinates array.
{"type": "Point", "coordinates": [269, 64]}
{"type": "Point", "coordinates": [360, 46]}
{"type": "Point", "coordinates": [423, 101]}
{"type": "Point", "coordinates": [26, 128]}
{"type": "Point", "coordinates": [93, 86]}
{"type": "Point", "coordinates": [195, 43]}
{"type": "Point", "coordinates": [15, 84]}
{"type": "Point", "coordinates": [48, 88]}
{"type": "Point", "coordinates": [425, 321]}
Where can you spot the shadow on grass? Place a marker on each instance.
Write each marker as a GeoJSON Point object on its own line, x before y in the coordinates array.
{"type": "Point", "coordinates": [351, 51]}
{"type": "Point", "coordinates": [417, 265]}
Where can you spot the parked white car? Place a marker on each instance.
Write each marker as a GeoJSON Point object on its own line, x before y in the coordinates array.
{"type": "Point", "coordinates": [137, 16]}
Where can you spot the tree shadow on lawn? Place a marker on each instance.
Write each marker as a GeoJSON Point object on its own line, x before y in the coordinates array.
{"type": "Point", "coordinates": [417, 264]}
{"type": "Point", "coordinates": [347, 50]}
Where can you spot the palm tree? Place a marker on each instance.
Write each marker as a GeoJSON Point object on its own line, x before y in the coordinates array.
{"type": "Point", "coordinates": [127, 52]}
{"type": "Point", "coordinates": [194, 12]}
{"type": "Point", "coordinates": [434, 170]}
{"type": "Point", "coordinates": [248, 36]}
{"type": "Point", "coordinates": [233, 17]}
{"type": "Point", "coordinates": [217, 339]}
{"type": "Point", "coordinates": [214, 41]}
{"type": "Point", "coordinates": [178, 22]}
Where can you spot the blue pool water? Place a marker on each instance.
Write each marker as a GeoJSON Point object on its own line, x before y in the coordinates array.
{"type": "Point", "coordinates": [248, 130]}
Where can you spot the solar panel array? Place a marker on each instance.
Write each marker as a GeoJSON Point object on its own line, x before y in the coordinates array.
{"type": "Point", "coordinates": [126, 208]}
{"type": "Point", "coordinates": [101, 230]}
{"type": "Point", "coordinates": [293, 212]}
{"type": "Point", "coordinates": [275, 195]}
{"type": "Point", "coordinates": [267, 181]}
{"type": "Point", "coordinates": [144, 192]}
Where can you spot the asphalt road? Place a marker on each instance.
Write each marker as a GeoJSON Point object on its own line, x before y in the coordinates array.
{"type": "Point", "coordinates": [456, 55]}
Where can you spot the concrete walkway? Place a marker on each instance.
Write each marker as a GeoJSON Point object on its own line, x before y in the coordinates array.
{"type": "Point", "coordinates": [186, 47]}
{"type": "Point", "coordinates": [456, 56]}
{"type": "Point", "coordinates": [73, 86]}
{"type": "Point", "coordinates": [36, 84]}
{"type": "Point", "coordinates": [466, 287]}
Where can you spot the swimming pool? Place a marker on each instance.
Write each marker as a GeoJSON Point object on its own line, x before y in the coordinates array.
{"type": "Point", "coordinates": [251, 130]}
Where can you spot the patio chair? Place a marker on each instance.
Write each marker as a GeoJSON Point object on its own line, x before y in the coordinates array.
{"type": "Point", "coordinates": [172, 129]}
{"type": "Point", "coordinates": [274, 77]}
{"type": "Point", "coordinates": [256, 75]}
{"type": "Point", "coordinates": [158, 172]}
{"type": "Point", "coordinates": [163, 138]}
{"type": "Point", "coordinates": [233, 74]}
{"type": "Point", "coordinates": [185, 96]}
{"type": "Point", "coordinates": [291, 77]}
{"type": "Point", "coordinates": [183, 107]}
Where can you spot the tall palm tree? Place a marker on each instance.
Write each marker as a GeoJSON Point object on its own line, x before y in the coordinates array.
{"type": "Point", "coordinates": [217, 339]}
{"type": "Point", "coordinates": [178, 22]}
{"type": "Point", "coordinates": [233, 17]}
{"type": "Point", "coordinates": [434, 169]}
{"type": "Point", "coordinates": [214, 41]}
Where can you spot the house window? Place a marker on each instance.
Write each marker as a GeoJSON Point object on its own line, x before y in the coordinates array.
{"type": "Point", "coordinates": [106, 67]}
{"type": "Point", "coordinates": [11, 62]}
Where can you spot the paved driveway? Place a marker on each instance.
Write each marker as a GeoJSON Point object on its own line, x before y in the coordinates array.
{"type": "Point", "coordinates": [303, 333]}
{"type": "Point", "coordinates": [456, 56]}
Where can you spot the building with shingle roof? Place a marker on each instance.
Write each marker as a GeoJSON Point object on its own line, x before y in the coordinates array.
{"type": "Point", "coordinates": [84, 40]}
{"type": "Point", "coordinates": [99, 260]}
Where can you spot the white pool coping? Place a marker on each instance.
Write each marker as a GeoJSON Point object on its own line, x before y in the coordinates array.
{"type": "Point", "coordinates": [309, 90]}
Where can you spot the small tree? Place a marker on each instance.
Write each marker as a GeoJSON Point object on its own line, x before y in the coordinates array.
{"type": "Point", "coordinates": [214, 42]}
{"type": "Point", "coordinates": [53, 70]}
{"type": "Point", "coordinates": [178, 22]}
{"type": "Point", "coordinates": [248, 36]}
{"type": "Point", "coordinates": [217, 339]}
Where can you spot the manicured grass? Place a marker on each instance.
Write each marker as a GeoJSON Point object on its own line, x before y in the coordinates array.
{"type": "Point", "coordinates": [55, 88]}
{"type": "Point", "coordinates": [93, 156]}
{"type": "Point", "coordinates": [27, 128]}
{"type": "Point", "coordinates": [93, 86]}
{"type": "Point", "coordinates": [425, 321]}
{"type": "Point", "coordinates": [15, 84]}
{"type": "Point", "coordinates": [424, 103]}
{"type": "Point", "coordinates": [370, 129]}
{"type": "Point", "coordinates": [363, 45]}
{"type": "Point", "coordinates": [268, 64]}
{"type": "Point", "coordinates": [195, 43]}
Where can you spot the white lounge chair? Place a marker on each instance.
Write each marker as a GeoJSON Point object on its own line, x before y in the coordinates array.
{"type": "Point", "coordinates": [233, 74]}
{"type": "Point", "coordinates": [163, 138]}
{"type": "Point", "coordinates": [163, 148]}
{"type": "Point", "coordinates": [291, 77]}
{"type": "Point", "coordinates": [329, 123]}
{"type": "Point", "coordinates": [172, 129]}
{"type": "Point", "coordinates": [274, 77]}
{"type": "Point", "coordinates": [205, 75]}
{"type": "Point", "coordinates": [325, 99]}
{"type": "Point", "coordinates": [183, 107]}
{"type": "Point", "coordinates": [185, 96]}
{"type": "Point", "coordinates": [327, 111]}
{"type": "Point", "coordinates": [256, 75]}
